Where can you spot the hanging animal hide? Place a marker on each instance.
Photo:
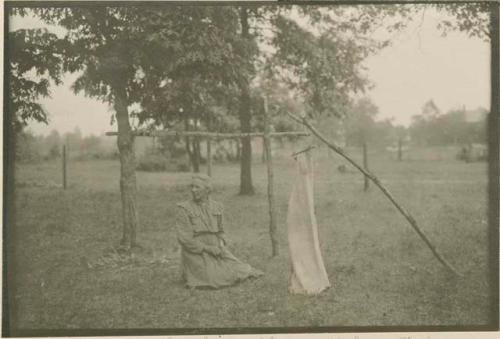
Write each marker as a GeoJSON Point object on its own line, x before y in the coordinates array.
{"type": "Point", "coordinates": [308, 274]}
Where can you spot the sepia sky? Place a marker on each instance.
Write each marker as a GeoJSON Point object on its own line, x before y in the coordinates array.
{"type": "Point", "coordinates": [420, 65]}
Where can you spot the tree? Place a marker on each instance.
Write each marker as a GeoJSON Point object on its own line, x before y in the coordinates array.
{"type": "Point", "coordinates": [471, 18]}
{"type": "Point", "coordinates": [204, 78]}
{"type": "Point", "coordinates": [322, 60]}
{"type": "Point", "coordinates": [91, 146]}
{"type": "Point", "coordinates": [422, 127]}
{"type": "Point", "coordinates": [246, 186]}
{"type": "Point", "coordinates": [361, 128]}
{"type": "Point", "coordinates": [360, 122]}
{"type": "Point", "coordinates": [73, 140]}
{"type": "Point", "coordinates": [266, 29]}
{"type": "Point", "coordinates": [27, 147]}
{"type": "Point", "coordinates": [246, 30]}
{"type": "Point", "coordinates": [432, 128]}
{"type": "Point", "coordinates": [53, 143]}
{"type": "Point", "coordinates": [430, 110]}
{"type": "Point", "coordinates": [34, 62]}
{"type": "Point", "coordinates": [114, 48]}
{"type": "Point", "coordinates": [189, 55]}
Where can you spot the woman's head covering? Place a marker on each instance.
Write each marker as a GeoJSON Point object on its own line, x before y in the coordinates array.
{"type": "Point", "coordinates": [203, 179]}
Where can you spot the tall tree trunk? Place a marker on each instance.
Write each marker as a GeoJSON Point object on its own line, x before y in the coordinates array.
{"type": "Point", "coordinates": [246, 186]}
{"type": "Point", "coordinates": [128, 187]}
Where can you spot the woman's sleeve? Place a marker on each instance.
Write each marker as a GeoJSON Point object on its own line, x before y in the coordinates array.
{"type": "Point", "coordinates": [220, 219]}
{"type": "Point", "coordinates": [185, 234]}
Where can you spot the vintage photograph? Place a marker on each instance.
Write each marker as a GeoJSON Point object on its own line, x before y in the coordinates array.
{"type": "Point", "coordinates": [228, 167]}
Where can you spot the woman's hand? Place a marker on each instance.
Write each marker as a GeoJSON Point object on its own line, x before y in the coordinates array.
{"type": "Point", "coordinates": [213, 250]}
{"type": "Point", "coordinates": [222, 240]}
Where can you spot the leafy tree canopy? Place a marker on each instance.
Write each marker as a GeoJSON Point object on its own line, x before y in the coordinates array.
{"type": "Point", "coordinates": [472, 18]}
{"type": "Point", "coordinates": [322, 60]}
{"type": "Point", "coordinates": [34, 62]}
{"type": "Point", "coordinates": [152, 52]}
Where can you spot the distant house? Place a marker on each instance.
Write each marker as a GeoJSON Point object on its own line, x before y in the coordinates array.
{"type": "Point", "coordinates": [473, 152]}
{"type": "Point", "coordinates": [475, 115]}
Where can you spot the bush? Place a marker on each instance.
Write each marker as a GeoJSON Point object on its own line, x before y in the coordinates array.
{"type": "Point", "coordinates": [152, 163]}
{"type": "Point", "coordinates": [175, 148]}
{"type": "Point", "coordinates": [27, 148]}
{"type": "Point", "coordinates": [159, 163]}
{"type": "Point", "coordinates": [183, 167]}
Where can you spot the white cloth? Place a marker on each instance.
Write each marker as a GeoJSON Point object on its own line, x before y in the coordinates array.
{"type": "Point", "coordinates": [308, 274]}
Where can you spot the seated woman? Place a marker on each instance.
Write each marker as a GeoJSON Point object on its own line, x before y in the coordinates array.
{"type": "Point", "coordinates": [205, 259]}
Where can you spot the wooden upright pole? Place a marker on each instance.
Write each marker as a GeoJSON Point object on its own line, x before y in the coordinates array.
{"type": "Point", "coordinates": [400, 149]}
{"type": "Point", "coordinates": [365, 165]}
{"type": "Point", "coordinates": [270, 183]}
{"type": "Point", "coordinates": [64, 173]}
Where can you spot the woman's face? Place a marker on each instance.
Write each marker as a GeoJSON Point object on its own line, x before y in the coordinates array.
{"type": "Point", "coordinates": [199, 191]}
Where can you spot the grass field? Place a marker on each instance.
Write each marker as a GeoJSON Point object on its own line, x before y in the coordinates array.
{"type": "Point", "coordinates": [382, 273]}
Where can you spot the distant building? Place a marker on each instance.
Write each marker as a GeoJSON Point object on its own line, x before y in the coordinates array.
{"type": "Point", "coordinates": [476, 115]}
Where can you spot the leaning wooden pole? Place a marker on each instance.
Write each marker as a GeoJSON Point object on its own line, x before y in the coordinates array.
{"type": "Point", "coordinates": [377, 182]}
{"type": "Point", "coordinates": [273, 231]}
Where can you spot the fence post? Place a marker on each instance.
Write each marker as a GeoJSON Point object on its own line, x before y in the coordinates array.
{"type": "Point", "coordinates": [400, 149]}
{"type": "Point", "coordinates": [64, 168]}
{"type": "Point", "coordinates": [365, 165]}
{"type": "Point", "coordinates": [270, 182]}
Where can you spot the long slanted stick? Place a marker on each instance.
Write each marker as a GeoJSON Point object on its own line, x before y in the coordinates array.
{"type": "Point", "coordinates": [377, 182]}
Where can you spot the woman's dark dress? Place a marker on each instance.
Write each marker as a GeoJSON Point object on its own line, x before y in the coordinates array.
{"type": "Point", "coordinates": [200, 229]}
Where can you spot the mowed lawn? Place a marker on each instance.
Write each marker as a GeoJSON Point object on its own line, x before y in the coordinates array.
{"type": "Point", "coordinates": [381, 272]}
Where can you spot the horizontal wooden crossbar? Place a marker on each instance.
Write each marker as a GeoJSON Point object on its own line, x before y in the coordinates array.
{"type": "Point", "coordinates": [212, 135]}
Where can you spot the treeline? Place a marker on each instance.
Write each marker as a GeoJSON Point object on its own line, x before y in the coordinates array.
{"type": "Point", "coordinates": [456, 127]}
{"type": "Point", "coordinates": [32, 148]}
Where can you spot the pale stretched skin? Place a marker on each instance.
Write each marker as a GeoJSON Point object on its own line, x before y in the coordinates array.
{"type": "Point", "coordinates": [308, 274]}
{"type": "Point", "coordinates": [205, 259]}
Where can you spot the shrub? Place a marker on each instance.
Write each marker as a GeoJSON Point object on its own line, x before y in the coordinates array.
{"type": "Point", "coordinates": [27, 148]}
{"type": "Point", "coordinates": [183, 167]}
{"type": "Point", "coordinates": [160, 163]}
{"type": "Point", "coordinates": [152, 163]}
